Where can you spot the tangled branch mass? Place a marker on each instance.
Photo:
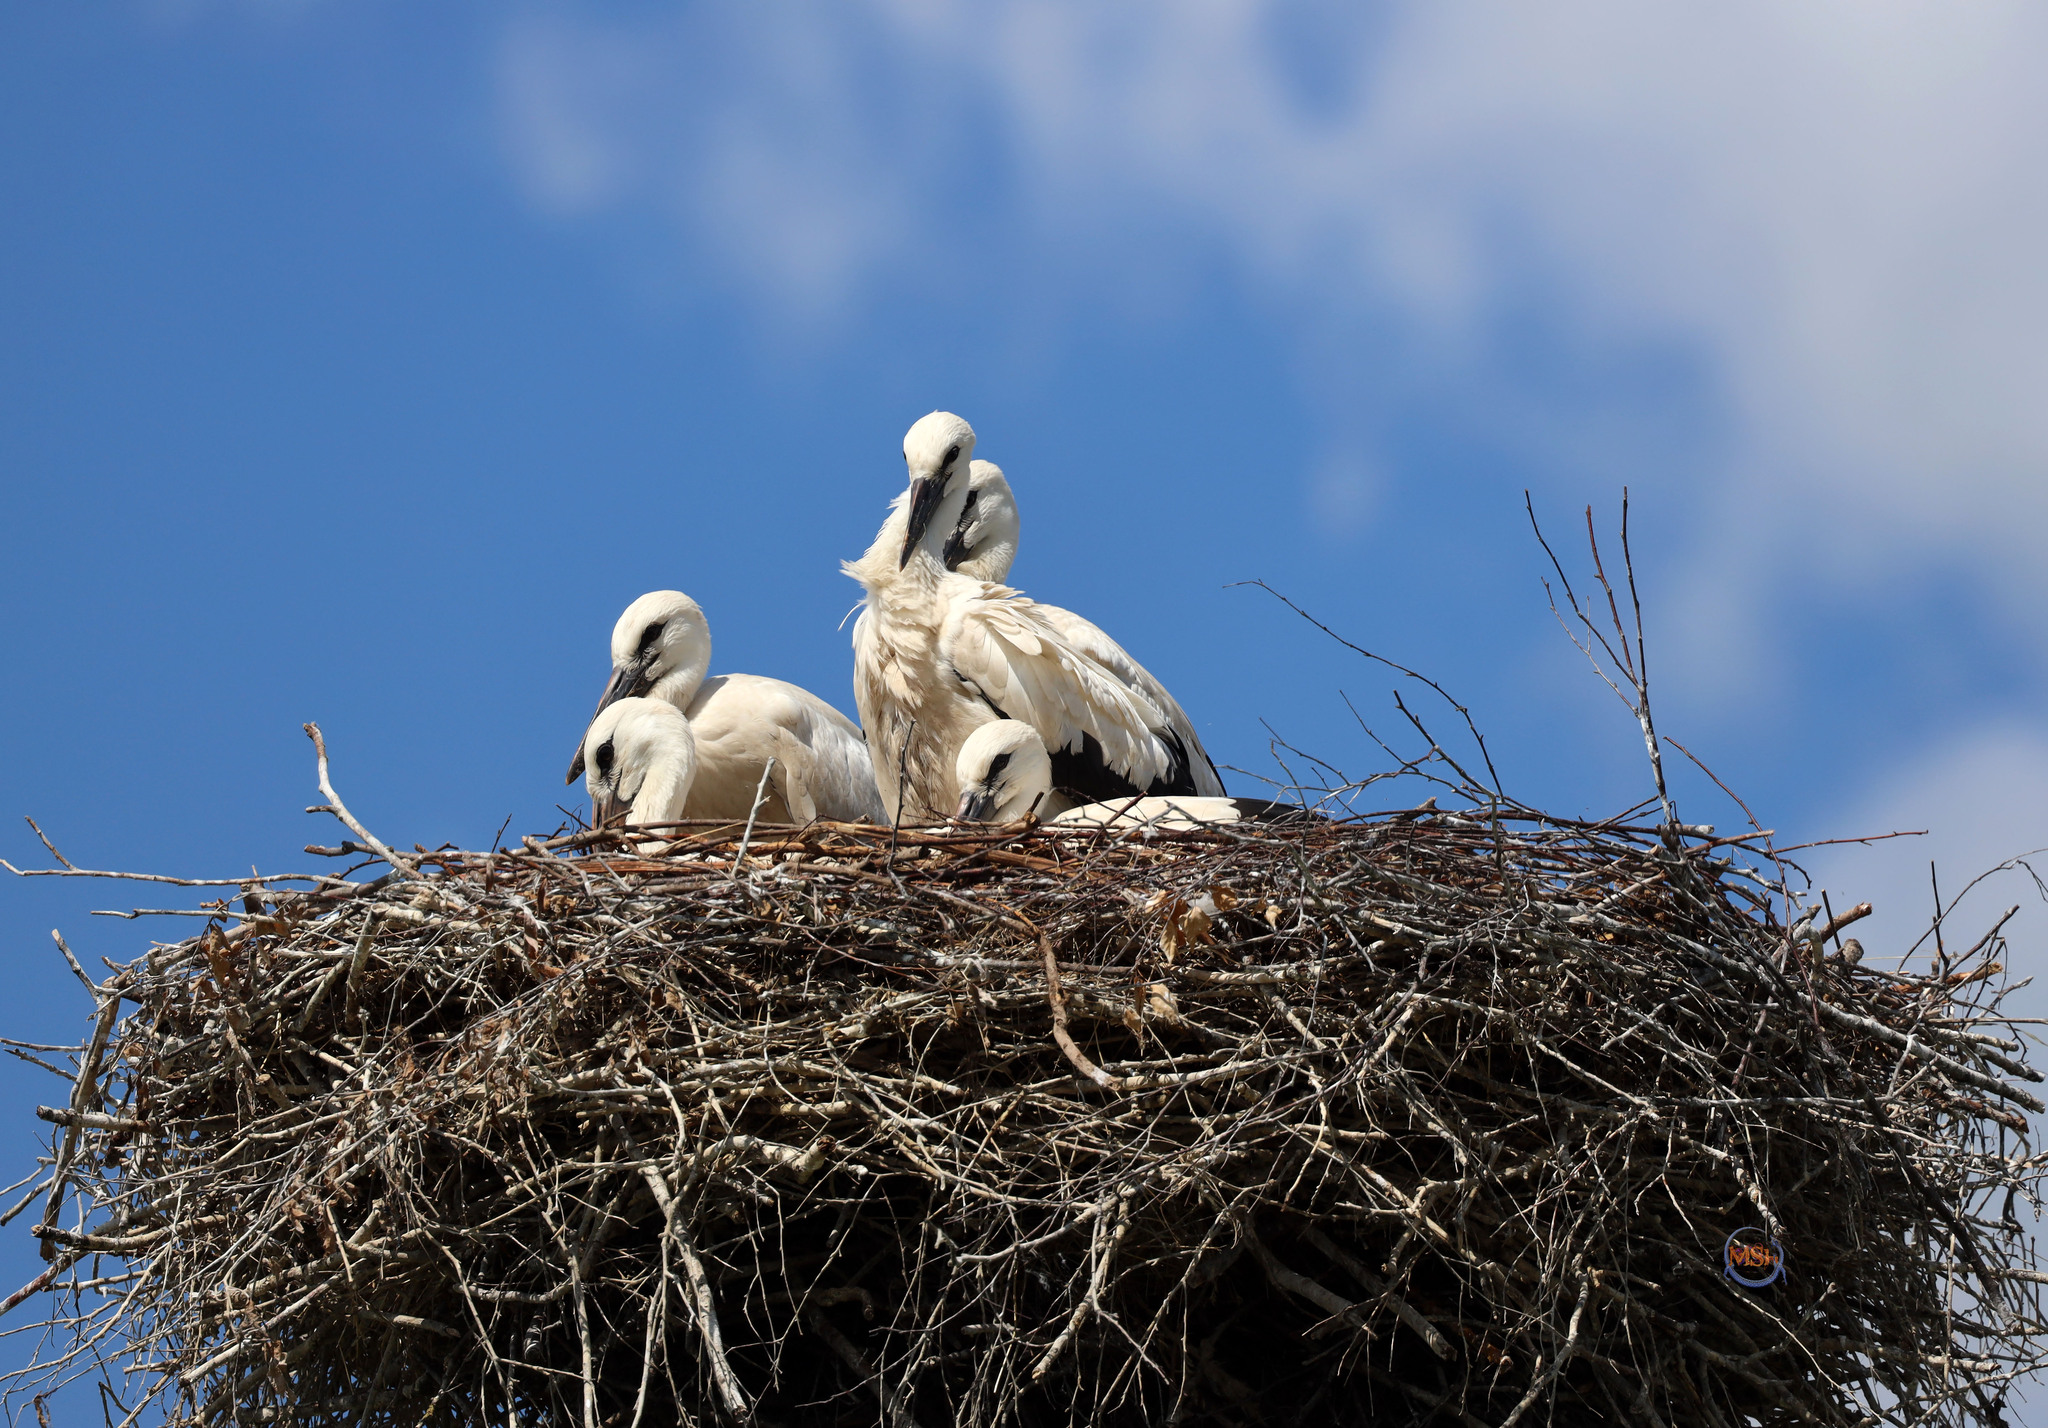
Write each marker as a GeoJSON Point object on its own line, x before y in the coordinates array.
{"type": "Point", "coordinates": [1420, 1119]}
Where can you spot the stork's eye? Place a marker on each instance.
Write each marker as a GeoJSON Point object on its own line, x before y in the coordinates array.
{"type": "Point", "coordinates": [996, 766]}
{"type": "Point", "coordinates": [652, 633]}
{"type": "Point", "coordinates": [603, 758]}
{"type": "Point", "coordinates": [952, 454]}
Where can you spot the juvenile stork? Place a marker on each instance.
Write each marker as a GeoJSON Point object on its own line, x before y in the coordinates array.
{"type": "Point", "coordinates": [937, 654]}
{"type": "Point", "coordinates": [983, 544]}
{"type": "Point", "coordinates": [640, 762]}
{"type": "Point", "coordinates": [1005, 773]}
{"type": "Point", "coordinates": [661, 649]}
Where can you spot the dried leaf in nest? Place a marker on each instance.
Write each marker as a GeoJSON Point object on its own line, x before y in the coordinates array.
{"type": "Point", "coordinates": [1185, 921]}
{"type": "Point", "coordinates": [1160, 1002]}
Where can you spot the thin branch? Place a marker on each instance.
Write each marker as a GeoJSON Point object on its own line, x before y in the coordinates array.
{"type": "Point", "coordinates": [1402, 669]}
{"type": "Point", "coordinates": [335, 806]}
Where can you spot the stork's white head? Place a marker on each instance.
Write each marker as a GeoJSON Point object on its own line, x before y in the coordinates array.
{"type": "Point", "coordinates": [937, 450]}
{"type": "Point", "coordinates": [984, 540]}
{"type": "Point", "coordinates": [1004, 772]}
{"type": "Point", "coordinates": [661, 649]}
{"type": "Point", "coordinates": [641, 760]}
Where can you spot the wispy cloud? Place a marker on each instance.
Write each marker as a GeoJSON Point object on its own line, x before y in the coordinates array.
{"type": "Point", "coordinates": [785, 143]}
{"type": "Point", "coordinates": [1980, 797]}
{"type": "Point", "coordinates": [1837, 206]}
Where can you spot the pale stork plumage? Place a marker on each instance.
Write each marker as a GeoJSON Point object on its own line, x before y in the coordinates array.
{"type": "Point", "coordinates": [937, 654]}
{"type": "Point", "coordinates": [1005, 773]}
{"type": "Point", "coordinates": [983, 544]}
{"type": "Point", "coordinates": [640, 763]}
{"type": "Point", "coordinates": [661, 649]}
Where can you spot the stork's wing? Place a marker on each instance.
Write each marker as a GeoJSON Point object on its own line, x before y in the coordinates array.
{"type": "Point", "coordinates": [822, 762]}
{"type": "Point", "coordinates": [841, 777]}
{"type": "Point", "coordinates": [1101, 730]}
{"type": "Point", "coordinates": [1089, 639]}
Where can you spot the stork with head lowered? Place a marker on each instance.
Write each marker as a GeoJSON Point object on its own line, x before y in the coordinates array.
{"type": "Point", "coordinates": [640, 762]}
{"type": "Point", "coordinates": [1005, 774]}
{"type": "Point", "coordinates": [661, 649]}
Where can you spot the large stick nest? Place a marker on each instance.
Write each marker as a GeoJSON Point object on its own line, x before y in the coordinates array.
{"type": "Point", "coordinates": [1417, 1120]}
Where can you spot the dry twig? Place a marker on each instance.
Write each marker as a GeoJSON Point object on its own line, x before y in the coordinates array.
{"type": "Point", "coordinates": [1433, 1115]}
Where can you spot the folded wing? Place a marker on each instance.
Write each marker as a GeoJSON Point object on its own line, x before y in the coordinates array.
{"type": "Point", "coordinates": [1111, 728]}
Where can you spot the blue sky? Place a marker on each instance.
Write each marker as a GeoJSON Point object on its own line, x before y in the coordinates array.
{"type": "Point", "coordinates": [359, 362]}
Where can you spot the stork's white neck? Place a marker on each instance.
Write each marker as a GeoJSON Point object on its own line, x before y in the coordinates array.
{"type": "Point", "coordinates": [671, 770]}
{"type": "Point", "coordinates": [680, 686]}
{"type": "Point", "coordinates": [888, 578]}
{"type": "Point", "coordinates": [1026, 794]}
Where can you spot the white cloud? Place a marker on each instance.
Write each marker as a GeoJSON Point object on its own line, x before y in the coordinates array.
{"type": "Point", "coordinates": [1839, 204]}
{"type": "Point", "coordinates": [1342, 495]}
{"type": "Point", "coordinates": [783, 140]}
{"type": "Point", "coordinates": [1983, 799]}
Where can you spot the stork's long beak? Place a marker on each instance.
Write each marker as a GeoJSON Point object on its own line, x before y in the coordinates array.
{"type": "Point", "coordinates": [956, 543]}
{"type": "Point", "coordinates": [608, 810]}
{"type": "Point", "coordinates": [976, 804]}
{"type": "Point", "coordinates": [956, 547]}
{"type": "Point", "coordinates": [628, 681]}
{"type": "Point", "coordinates": [925, 495]}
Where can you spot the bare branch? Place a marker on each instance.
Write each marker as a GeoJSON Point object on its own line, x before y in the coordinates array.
{"type": "Point", "coordinates": [335, 806]}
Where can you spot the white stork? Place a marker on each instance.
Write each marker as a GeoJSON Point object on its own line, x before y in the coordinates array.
{"type": "Point", "coordinates": [641, 762]}
{"type": "Point", "coordinates": [1005, 773]}
{"type": "Point", "coordinates": [661, 649]}
{"type": "Point", "coordinates": [983, 544]}
{"type": "Point", "coordinates": [938, 654]}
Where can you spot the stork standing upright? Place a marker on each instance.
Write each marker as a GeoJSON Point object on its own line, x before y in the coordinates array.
{"type": "Point", "coordinates": [937, 654]}
{"type": "Point", "coordinates": [661, 649]}
{"type": "Point", "coordinates": [640, 762]}
{"type": "Point", "coordinates": [1005, 773]}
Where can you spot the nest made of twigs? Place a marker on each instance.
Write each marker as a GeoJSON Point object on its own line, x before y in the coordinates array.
{"type": "Point", "coordinates": [1417, 1120]}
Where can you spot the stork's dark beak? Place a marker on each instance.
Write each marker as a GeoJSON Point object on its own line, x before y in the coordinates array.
{"type": "Point", "coordinates": [628, 681]}
{"type": "Point", "coordinates": [607, 810]}
{"type": "Point", "coordinates": [925, 495]}
{"type": "Point", "coordinates": [956, 547]}
{"type": "Point", "coordinates": [976, 804]}
{"type": "Point", "coordinates": [956, 543]}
